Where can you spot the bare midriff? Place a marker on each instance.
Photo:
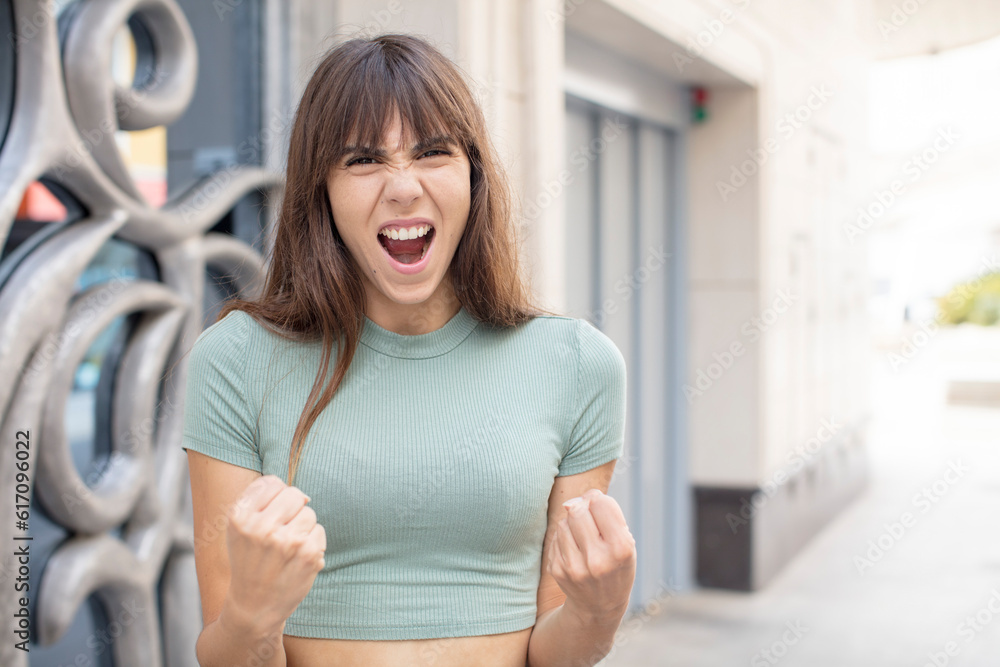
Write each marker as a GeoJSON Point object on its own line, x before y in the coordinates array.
{"type": "Point", "coordinates": [509, 649]}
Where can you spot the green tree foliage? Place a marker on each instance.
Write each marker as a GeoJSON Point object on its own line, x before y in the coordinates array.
{"type": "Point", "coordinates": [976, 301]}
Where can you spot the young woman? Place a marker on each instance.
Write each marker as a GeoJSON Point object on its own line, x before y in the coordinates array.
{"type": "Point", "coordinates": [445, 501]}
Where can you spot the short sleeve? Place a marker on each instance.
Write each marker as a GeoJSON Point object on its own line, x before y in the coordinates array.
{"type": "Point", "coordinates": [597, 433]}
{"type": "Point", "coordinates": [217, 419]}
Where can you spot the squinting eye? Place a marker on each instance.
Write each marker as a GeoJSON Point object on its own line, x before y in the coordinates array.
{"type": "Point", "coordinates": [437, 150]}
{"type": "Point", "coordinates": [358, 160]}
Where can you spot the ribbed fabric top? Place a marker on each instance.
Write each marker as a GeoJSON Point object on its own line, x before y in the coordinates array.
{"type": "Point", "coordinates": [431, 468]}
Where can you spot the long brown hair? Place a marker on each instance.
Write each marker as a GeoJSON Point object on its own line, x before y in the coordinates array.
{"type": "Point", "coordinates": [313, 288]}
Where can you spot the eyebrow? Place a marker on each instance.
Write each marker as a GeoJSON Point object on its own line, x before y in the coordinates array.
{"type": "Point", "coordinates": [429, 142]}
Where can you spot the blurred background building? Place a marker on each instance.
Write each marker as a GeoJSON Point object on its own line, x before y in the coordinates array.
{"type": "Point", "coordinates": [745, 195]}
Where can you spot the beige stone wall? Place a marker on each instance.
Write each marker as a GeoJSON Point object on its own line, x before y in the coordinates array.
{"type": "Point", "coordinates": [772, 278]}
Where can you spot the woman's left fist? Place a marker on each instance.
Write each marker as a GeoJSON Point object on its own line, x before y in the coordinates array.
{"type": "Point", "coordinates": [592, 557]}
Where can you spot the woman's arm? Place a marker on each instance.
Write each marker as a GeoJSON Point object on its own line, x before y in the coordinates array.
{"type": "Point", "coordinates": [230, 635]}
{"type": "Point", "coordinates": [588, 566]}
{"type": "Point", "coordinates": [235, 637]}
{"type": "Point", "coordinates": [277, 548]}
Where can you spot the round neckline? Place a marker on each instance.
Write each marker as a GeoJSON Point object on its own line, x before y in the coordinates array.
{"type": "Point", "coordinates": [419, 346]}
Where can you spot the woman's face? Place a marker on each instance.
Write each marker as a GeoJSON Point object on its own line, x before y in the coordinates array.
{"type": "Point", "coordinates": [401, 214]}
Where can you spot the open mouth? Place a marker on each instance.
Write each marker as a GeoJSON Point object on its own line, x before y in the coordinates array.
{"type": "Point", "coordinates": [407, 245]}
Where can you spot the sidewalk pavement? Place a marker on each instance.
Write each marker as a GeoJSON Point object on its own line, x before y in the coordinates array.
{"type": "Point", "coordinates": [908, 575]}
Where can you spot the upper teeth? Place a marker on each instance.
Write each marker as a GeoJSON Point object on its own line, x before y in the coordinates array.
{"type": "Point", "coordinates": [406, 233]}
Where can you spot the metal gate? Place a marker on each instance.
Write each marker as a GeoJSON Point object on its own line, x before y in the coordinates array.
{"type": "Point", "coordinates": [95, 313]}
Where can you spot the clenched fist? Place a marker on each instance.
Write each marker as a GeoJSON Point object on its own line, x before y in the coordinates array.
{"type": "Point", "coordinates": [275, 549]}
{"type": "Point", "coordinates": [593, 556]}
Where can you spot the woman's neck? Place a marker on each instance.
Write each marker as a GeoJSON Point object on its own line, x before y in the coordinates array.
{"type": "Point", "coordinates": [417, 318]}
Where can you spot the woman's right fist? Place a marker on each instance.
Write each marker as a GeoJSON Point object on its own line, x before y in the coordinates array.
{"type": "Point", "coordinates": [275, 548]}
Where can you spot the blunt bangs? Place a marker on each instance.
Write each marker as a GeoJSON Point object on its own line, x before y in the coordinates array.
{"type": "Point", "coordinates": [382, 84]}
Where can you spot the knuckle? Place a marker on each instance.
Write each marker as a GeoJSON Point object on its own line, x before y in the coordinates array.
{"type": "Point", "coordinates": [270, 540]}
{"type": "Point", "coordinates": [623, 551]}
{"type": "Point", "coordinates": [291, 547]}
{"type": "Point", "coordinates": [242, 525]}
{"type": "Point", "coordinates": [255, 489]}
{"type": "Point", "coordinates": [262, 484]}
{"type": "Point", "coordinates": [576, 574]}
{"type": "Point", "coordinates": [309, 556]}
{"type": "Point", "coordinates": [239, 507]}
{"type": "Point", "coordinates": [607, 568]}
{"type": "Point", "coordinates": [620, 554]}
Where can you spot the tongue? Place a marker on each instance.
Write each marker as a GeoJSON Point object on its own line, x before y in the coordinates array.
{"type": "Point", "coordinates": [407, 251]}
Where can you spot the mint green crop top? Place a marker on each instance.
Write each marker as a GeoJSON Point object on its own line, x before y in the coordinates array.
{"type": "Point", "coordinates": [431, 468]}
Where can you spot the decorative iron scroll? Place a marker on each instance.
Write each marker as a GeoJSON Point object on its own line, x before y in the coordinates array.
{"type": "Point", "coordinates": [129, 538]}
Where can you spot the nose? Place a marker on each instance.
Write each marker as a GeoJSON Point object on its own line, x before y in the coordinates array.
{"type": "Point", "coordinates": [402, 185]}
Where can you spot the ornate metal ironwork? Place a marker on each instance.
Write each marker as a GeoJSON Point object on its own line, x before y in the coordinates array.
{"type": "Point", "coordinates": [130, 541]}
